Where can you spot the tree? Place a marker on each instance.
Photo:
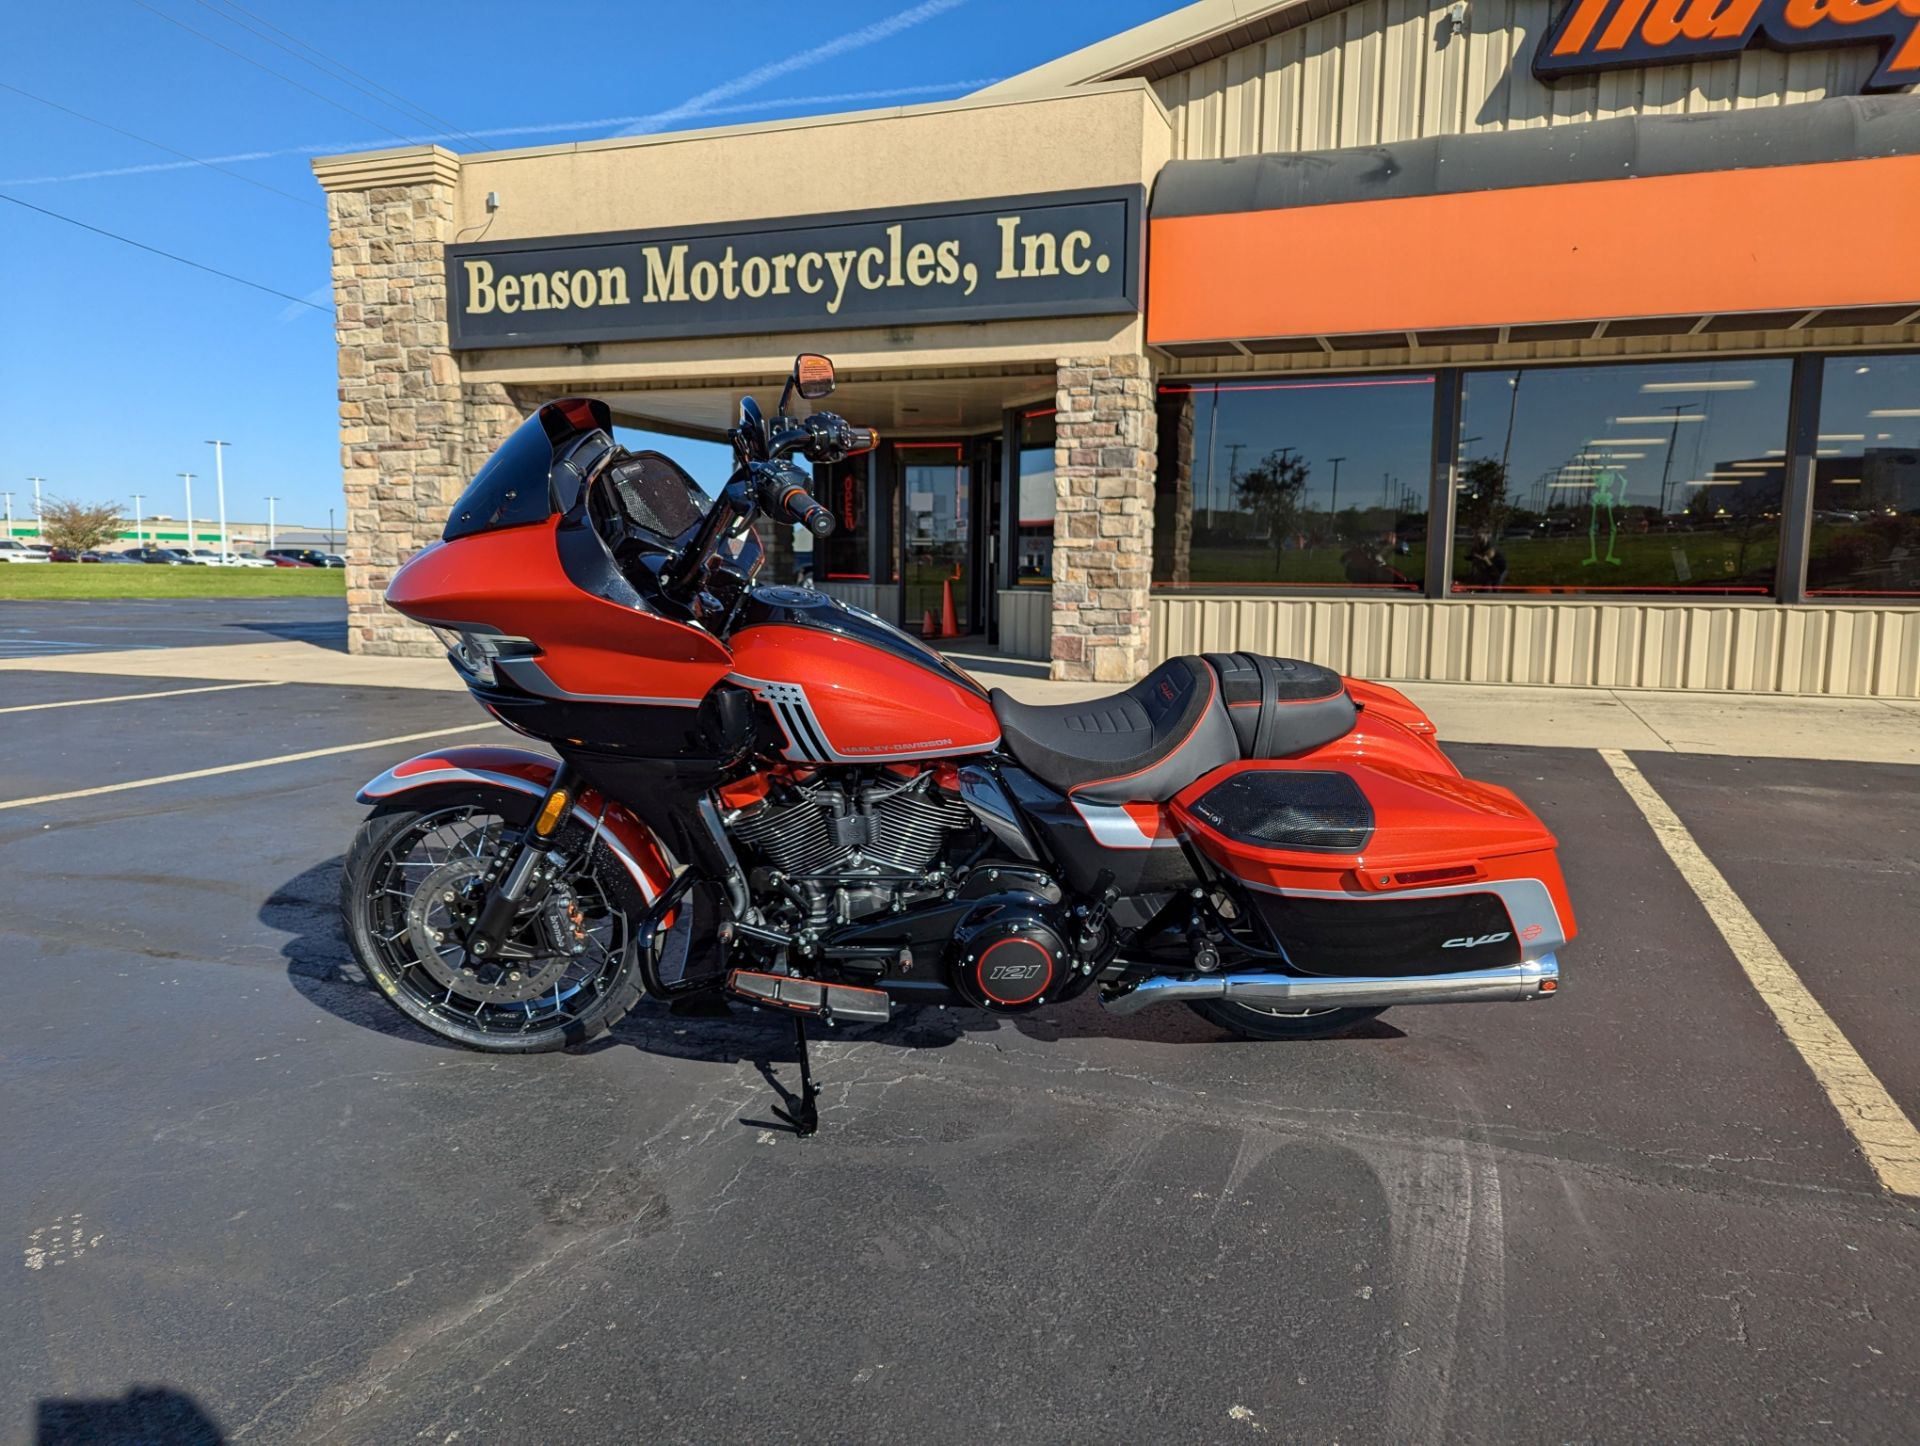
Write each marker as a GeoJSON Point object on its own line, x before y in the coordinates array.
{"type": "Point", "coordinates": [1271, 493]}
{"type": "Point", "coordinates": [78, 526]}
{"type": "Point", "coordinates": [1483, 496]}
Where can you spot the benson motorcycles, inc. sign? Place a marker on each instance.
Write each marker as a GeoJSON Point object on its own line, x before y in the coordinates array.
{"type": "Point", "coordinates": [1076, 253]}
{"type": "Point", "coordinates": [1605, 34]}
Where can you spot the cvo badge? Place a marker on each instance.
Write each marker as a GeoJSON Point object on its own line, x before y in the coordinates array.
{"type": "Point", "coordinates": [1604, 34]}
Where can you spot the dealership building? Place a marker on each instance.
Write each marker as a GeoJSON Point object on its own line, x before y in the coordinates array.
{"type": "Point", "coordinates": [1499, 340]}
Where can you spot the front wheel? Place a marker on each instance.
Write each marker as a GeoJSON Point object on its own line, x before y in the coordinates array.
{"type": "Point", "coordinates": [1252, 1021]}
{"type": "Point", "coordinates": [568, 969]}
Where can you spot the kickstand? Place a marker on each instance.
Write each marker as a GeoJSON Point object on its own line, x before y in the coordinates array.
{"type": "Point", "coordinates": [805, 1117]}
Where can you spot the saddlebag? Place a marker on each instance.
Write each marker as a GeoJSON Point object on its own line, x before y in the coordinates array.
{"type": "Point", "coordinates": [1374, 868]}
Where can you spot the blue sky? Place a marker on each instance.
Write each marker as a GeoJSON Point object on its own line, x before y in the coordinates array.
{"type": "Point", "coordinates": [116, 365]}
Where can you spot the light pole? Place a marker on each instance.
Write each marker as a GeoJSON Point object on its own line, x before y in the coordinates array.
{"type": "Point", "coordinates": [270, 536]}
{"type": "Point", "coordinates": [9, 497]}
{"type": "Point", "coordinates": [39, 522]}
{"type": "Point", "coordinates": [139, 517]}
{"type": "Point", "coordinates": [1333, 505]}
{"type": "Point", "coordinates": [220, 483]}
{"type": "Point", "coordinates": [187, 477]}
{"type": "Point", "coordinates": [1673, 441]}
{"type": "Point", "coordinates": [330, 546]}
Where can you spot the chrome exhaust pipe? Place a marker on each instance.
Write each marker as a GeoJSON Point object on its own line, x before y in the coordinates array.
{"type": "Point", "coordinates": [1530, 979]}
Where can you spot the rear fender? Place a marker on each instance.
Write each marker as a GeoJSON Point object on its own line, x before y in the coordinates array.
{"type": "Point", "coordinates": [625, 836]}
{"type": "Point", "coordinates": [1385, 702]}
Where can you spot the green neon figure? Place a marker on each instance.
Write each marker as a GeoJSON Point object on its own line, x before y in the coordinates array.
{"type": "Point", "coordinates": [1609, 491]}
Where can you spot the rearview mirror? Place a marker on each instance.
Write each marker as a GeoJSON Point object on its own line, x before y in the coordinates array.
{"type": "Point", "coordinates": [812, 376]}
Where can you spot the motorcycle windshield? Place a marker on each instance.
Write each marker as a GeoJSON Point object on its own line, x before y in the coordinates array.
{"type": "Point", "coordinates": [526, 481]}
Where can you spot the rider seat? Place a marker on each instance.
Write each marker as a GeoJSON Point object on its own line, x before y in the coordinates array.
{"type": "Point", "coordinates": [1185, 718]}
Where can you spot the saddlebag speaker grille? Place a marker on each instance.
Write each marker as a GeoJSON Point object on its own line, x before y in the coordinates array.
{"type": "Point", "coordinates": [1272, 808]}
{"type": "Point", "coordinates": [1377, 936]}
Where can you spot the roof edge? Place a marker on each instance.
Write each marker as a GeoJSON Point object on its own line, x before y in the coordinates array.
{"type": "Point", "coordinates": [408, 165]}
{"type": "Point", "coordinates": [1135, 51]}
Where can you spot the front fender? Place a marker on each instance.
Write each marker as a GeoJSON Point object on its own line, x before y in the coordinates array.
{"type": "Point", "coordinates": [523, 771]}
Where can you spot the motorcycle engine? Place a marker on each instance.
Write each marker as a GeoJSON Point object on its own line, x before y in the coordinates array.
{"type": "Point", "coordinates": [849, 844]}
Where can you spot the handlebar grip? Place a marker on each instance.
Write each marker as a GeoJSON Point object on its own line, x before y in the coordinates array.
{"type": "Point", "coordinates": [861, 439]}
{"type": "Point", "coordinates": [800, 507]}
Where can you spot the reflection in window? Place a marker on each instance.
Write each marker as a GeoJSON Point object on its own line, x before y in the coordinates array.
{"type": "Point", "coordinates": [1866, 479]}
{"type": "Point", "coordinates": [844, 556]}
{"type": "Point", "coordinates": [1654, 478]}
{"type": "Point", "coordinates": [1035, 499]}
{"type": "Point", "coordinates": [1319, 483]}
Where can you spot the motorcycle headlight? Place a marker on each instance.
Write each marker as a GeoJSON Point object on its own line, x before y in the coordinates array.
{"type": "Point", "coordinates": [475, 653]}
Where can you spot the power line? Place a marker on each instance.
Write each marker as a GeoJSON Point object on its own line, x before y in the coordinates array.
{"type": "Point", "coordinates": [128, 240]}
{"type": "Point", "coordinates": [160, 146]}
{"type": "Point", "coordinates": [257, 65]}
{"type": "Point", "coordinates": [391, 97]}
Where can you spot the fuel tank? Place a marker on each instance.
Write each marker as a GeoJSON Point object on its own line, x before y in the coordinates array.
{"type": "Point", "coordinates": [847, 687]}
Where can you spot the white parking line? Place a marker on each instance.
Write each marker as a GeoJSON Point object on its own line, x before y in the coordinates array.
{"type": "Point", "coordinates": [137, 697]}
{"type": "Point", "coordinates": [1879, 1126]}
{"type": "Point", "coordinates": [239, 767]}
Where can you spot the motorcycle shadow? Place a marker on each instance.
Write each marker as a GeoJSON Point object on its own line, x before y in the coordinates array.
{"type": "Point", "coordinates": [321, 967]}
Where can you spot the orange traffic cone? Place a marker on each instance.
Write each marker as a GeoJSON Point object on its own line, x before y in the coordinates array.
{"type": "Point", "coordinates": [949, 620]}
{"type": "Point", "coordinates": [927, 628]}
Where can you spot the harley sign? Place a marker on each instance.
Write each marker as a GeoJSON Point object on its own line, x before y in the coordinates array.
{"type": "Point", "coordinates": [1604, 34]}
{"type": "Point", "coordinates": [1060, 255]}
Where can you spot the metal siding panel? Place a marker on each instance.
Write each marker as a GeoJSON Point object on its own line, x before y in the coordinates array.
{"type": "Point", "coordinates": [1360, 77]}
{"type": "Point", "coordinates": [1400, 69]}
{"type": "Point", "coordinates": [1446, 79]}
{"type": "Point", "coordinates": [1320, 69]}
{"type": "Point", "coordinates": [1243, 135]}
{"type": "Point", "coordinates": [1706, 646]}
{"type": "Point", "coordinates": [1489, 66]}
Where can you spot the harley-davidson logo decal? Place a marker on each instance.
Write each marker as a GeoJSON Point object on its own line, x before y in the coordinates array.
{"type": "Point", "coordinates": [1605, 34]}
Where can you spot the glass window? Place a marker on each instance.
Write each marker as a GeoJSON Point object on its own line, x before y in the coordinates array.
{"type": "Point", "coordinates": [935, 495]}
{"type": "Point", "coordinates": [1644, 478]}
{"type": "Point", "coordinates": [1297, 484]}
{"type": "Point", "coordinates": [1034, 501]}
{"type": "Point", "coordinates": [1866, 479]}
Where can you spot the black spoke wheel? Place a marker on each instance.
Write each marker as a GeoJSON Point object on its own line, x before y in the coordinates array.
{"type": "Point", "coordinates": [1255, 1021]}
{"type": "Point", "coordinates": [566, 969]}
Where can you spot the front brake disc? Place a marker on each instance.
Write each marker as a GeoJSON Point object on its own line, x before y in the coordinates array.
{"type": "Point", "coordinates": [436, 920]}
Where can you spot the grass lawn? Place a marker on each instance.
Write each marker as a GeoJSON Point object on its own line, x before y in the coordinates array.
{"type": "Point", "coordinates": [109, 580]}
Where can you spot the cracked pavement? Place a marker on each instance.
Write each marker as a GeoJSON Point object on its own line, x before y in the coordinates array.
{"type": "Point", "coordinates": [1625, 1214]}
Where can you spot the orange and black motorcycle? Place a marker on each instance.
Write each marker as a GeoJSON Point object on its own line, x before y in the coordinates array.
{"type": "Point", "coordinates": [758, 792]}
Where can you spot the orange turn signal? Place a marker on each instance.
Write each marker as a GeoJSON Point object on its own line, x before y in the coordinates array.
{"type": "Point", "coordinates": [551, 812]}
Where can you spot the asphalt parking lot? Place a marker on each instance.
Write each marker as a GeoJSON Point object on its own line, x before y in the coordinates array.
{"type": "Point", "coordinates": [248, 1198]}
{"type": "Point", "coordinates": [73, 625]}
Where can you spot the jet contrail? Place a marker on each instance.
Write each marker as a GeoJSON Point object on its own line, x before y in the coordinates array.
{"type": "Point", "coordinates": [332, 148]}
{"type": "Point", "coordinates": [866, 35]}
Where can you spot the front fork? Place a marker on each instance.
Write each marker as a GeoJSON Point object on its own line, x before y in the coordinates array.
{"type": "Point", "coordinates": [523, 869]}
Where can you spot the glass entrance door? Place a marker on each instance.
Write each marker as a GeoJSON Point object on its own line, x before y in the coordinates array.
{"type": "Point", "coordinates": [935, 490]}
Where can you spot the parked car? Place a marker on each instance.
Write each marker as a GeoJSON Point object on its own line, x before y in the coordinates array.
{"type": "Point", "coordinates": [162, 557]}
{"type": "Point", "coordinates": [305, 556]}
{"type": "Point", "coordinates": [62, 554]}
{"type": "Point", "coordinates": [13, 550]}
{"type": "Point", "coordinates": [99, 556]}
{"type": "Point", "coordinates": [281, 559]}
{"type": "Point", "coordinates": [203, 556]}
{"type": "Point", "coordinates": [244, 559]}
{"type": "Point", "coordinates": [334, 559]}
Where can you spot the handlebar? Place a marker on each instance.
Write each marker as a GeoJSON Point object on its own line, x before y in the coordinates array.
{"type": "Point", "coordinates": [765, 481]}
{"type": "Point", "coordinates": [799, 505]}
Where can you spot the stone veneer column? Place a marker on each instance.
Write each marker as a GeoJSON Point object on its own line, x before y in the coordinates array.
{"type": "Point", "coordinates": [1103, 458]}
{"type": "Point", "coordinates": [411, 433]}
